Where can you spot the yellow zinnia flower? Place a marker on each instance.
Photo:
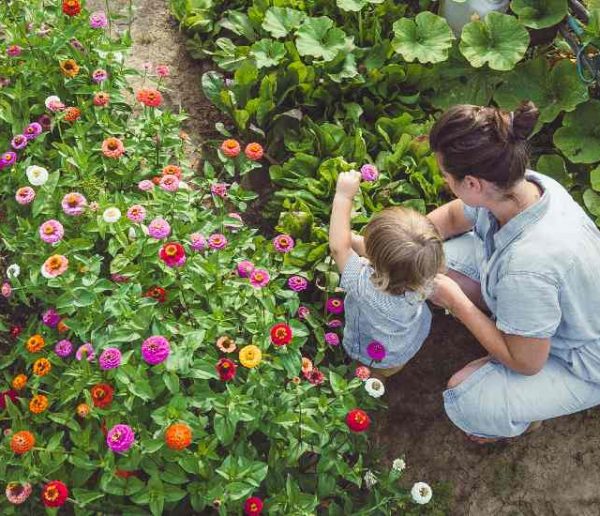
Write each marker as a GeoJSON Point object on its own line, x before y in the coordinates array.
{"type": "Point", "coordinates": [250, 356]}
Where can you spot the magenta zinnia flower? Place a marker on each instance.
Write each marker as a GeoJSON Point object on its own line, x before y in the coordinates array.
{"type": "Point", "coordinates": [136, 213]}
{"type": "Point", "coordinates": [197, 242]}
{"type": "Point", "coordinates": [297, 283]}
{"type": "Point", "coordinates": [146, 185]}
{"type": "Point", "coordinates": [6, 289]}
{"type": "Point", "coordinates": [244, 268]}
{"type": "Point", "coordinates": [334, 323]}
{"type": "Point", "coordinates": [283, 243]}
{"type": "Point", "coordinates": [99, 75]}
{"type": "Point", "coordinates": [19, 142]}
{"type": "Point", "coordinates": [155, 349]}
{"type": "Point", "coordinates": [32, 131]}
{"type": "Point", "coordinates": [110, 358]}
{"type": "Point", "coordinates": [120, 438]}
{"type": "Point", "coordinates": [51, 231]}
{"type": "Point", "coordinates": [73, 204]}
{"type": "Point", "coordinates": [7, 159]}
{"type": "Point", "coordinates": [376, 351]}
{"type": "Point", "coordinates": [98, 20]}
{"type": "Point", "coordinates": [25, 195]}
{"type": "Point", "coordinates": [159, 228]}
{"type": "Point", "coordinates": [335, 305]}
{"type": "Point", "coordinates": [219, 189]}
{"type": "Point", "coordinates": [217, 241]}
{"type": "Point", "coordinates": [303, 312]}
{"type": "Point", "coordinates": [369, 173]}
{"type": "Point", "coordinates": [51, 318]}
{"type": "Point", "coordinates": [63, 348]}
{"type": "Point", "coordinates": [332, 339]}
{"type": "Point", "coordinates": [14, 51]}
{"type": "Point", "coordinates": [259, 278]}
{"type": "Point", "coordinates": [85, 351]}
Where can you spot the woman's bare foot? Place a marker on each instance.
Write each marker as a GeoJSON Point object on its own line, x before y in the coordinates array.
{"type": "Point", "coordinates": [533, 427]}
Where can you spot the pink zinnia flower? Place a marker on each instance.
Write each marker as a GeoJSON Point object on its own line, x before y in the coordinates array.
{"type": "Point", "coordinates": [25, 195]}
{"type": "Point", "coordinates": [334, 323]}
{"type": "Point", "coordinates": [146, 185]}
{"type": "Point", "coordinates": [54, 266]}
{"type": "Point", "coordinates": [136, 213]}
{"type": "Point", "coordinates": [159, 228]}
{"type": "Point", "coordinates": [99, 75]}
{"type": "Point", "coordinates": [172, 254]}
{"type": "Point", "coordinates": [259, 278]}
{"type": "Point", "coordinates": [283, 243]}
{"type": "Point", "coordinates": [73, 204]}
{"type": "Point", "coordinates": [314, 376]}
{"type": "Point", "coordinates": [33, 130]}
{"type": "Point", "coordinates": [85, 351]}
{"type": "Point", "coordinates": [51, 318]}
{"type": "Point", "coordinates": [155, 349]}
{"type": "Point", "coordinates": [19, 142]}
{"type": "Point", "coordinates": [14, 51]}
{"type": "Point", "coordinates": [110, 358]}
{"type": "Point", "coordinates": [362, 372]}
{"type": "Point", "coordinates": [169, 182]}
{"type": "Point", "coordinates": [376, 351]}
{"type": "Point", "coordinates": [98, 20]}
{"type": "Point", "coordinates": [120, 438]}
{"type": "Point", "coordinates": [162, 70]}
{"type": "Point", "coordinates": [18, 492]}
{"type": "Point", "coordinates": [53, 103]}
{"type": "Point", "coordinates": [244, 268]}
{"type": "Point", "coordinates": [197, 242]}
{"type": "Point", "coordinates": [45, 122]}
{"type": "Point", "coordinates": [217, 241]}
{"type": "Point", "coordinates": [332, 339]}
{"type": "Point", "coordinates": [369, 173]}
{"type": "Point", "coordinates": [335, 305]}
{"type": "Point", "coordinates": [51, 231]}
{"type": "Point", "coordinates": [219, 189]}
{"type": "Point", "coordinates": [303, 312]}
{"type": "Point", "coordinates": [6, 289]}
{"type": "Point", "coordinates": [297, 283]}
{"type": "Point", "coordinates": [63, 348]}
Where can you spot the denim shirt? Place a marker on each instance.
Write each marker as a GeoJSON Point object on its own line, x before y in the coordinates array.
{"type": "Point", "coordinates": [401, 323]}
{"type": "Point", "coordinates": [540, 275]}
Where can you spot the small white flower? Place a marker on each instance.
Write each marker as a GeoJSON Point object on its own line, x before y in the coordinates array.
{"type": "Point", "coordinates": [37, 175]}
{"type": "Point", "coordinates": [111, 215]}
{"type": "Point", "coordinates": [13, 271]}
{"type": "Point", "coordinates": [370, 479]}
{"type": "Point", "coordinates": [421, 493]}
{"type": "Point", "coordinates": [398, 465]}
{"type": "Point", "coordinates": [374, 387]}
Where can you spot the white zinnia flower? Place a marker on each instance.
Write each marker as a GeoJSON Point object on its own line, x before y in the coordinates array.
{"type": "Point", "coordinates": [13, 271]}
{"type": "Point", "coordinates": [370, 479]}
{"type": "Point", "coordinates": [374, 387]}
{"type": "Point", "coordinates": [53, 102]}
{"type": "Point", "coordinates": [421, 493]}
{"type": "Point", "coordinates": [111, 215]}
{"type": "Point", "coordinates": [398, 465]}
{"type": "Point", "coordinates": [37, 175]}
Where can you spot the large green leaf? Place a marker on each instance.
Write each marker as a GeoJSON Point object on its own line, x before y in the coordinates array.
{"type": "Point", "coordinates": [317, 37]}
{"type": "Point", "coordinates": [426, 39]}
{"type": "Point", "coordinates": [554, 166]}
{"type": "Point", "coordinates": [267, 52]}
{"type": "Point", "coordinates": [539, 14]}
{"type": "Point", "coordinates": [280, 21]}
{"type": "Point", "coordinates": [355, 5]}
{"type": "Point", "coordinates": [552, 90]}
{"type": "Point", "coordinates": [499, 40]}
{"type": "Point", "coordinates": [579, 136]}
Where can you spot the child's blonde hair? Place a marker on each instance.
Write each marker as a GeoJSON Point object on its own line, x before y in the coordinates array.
{"type": "Point", "coordinates": [405, 250]}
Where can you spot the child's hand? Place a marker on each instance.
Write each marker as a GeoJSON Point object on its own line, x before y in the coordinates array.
{"type": "Point", "coordinates": [447, 292]}
{"type": "Point", "coordinates": [348, 184]}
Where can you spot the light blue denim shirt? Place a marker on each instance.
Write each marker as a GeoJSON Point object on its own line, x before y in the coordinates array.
{"type": "Point", "coordinates": [401, 323]}
{"type": "Point", "coordinates": [540, 275]}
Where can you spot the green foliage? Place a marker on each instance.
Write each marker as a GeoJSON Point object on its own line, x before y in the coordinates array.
{"type": "Point", "coordinates": [426, 39]}
{"type": "Point", "coordinates": [539, 14]}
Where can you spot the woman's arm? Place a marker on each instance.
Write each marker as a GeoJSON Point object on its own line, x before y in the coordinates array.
{"type": "Point", "coordinates": [450, 219]}
{"type": "Point", "coordinates": [340, 235]}
{"type": "Point", "coordinates": [524, 355]}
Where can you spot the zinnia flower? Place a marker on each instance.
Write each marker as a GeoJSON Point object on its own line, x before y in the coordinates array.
{"type": "Point", "coordinates": [71, 8]}
{"type": "Point", "coordinates": [398, 465]}
{"type": "Point", "coordinates": [226, 344]}
{"type": "Point", "coordinates": [332, 339]}
{"type": "Point", "coordinates": [69, 68]}
{"type": "Point", "coordinates": [25, 195]}
{"type": "Point", "coordinates": [362, 372]}
{"type": "Point", "coordinates": [171, 170]}
{"type": "Point", "coordinates": [314, 376]}
{"type": "Point", "coordinates": [110, 358]}
{"type": "Point", "coordinates": [10, 394]}
{"type": "Point", "coordinates": [51, 318]}
{"type": "Point", "coordinates": [254, 151]}
{"type": "Point", "coordinates": [172, 254]}
{"type": "Point", "coordinates": [169, 183]}
{"type": "Point", "coordinates": [217, 241]}
{"type": "Point", "coordinates": [155, 349]}
{"type": "Point", "coordinates": [83, 410]}
{"type": "Point", "coordinates": [63, 348]}
{"type": "Point", "coordinates": [369, 173]}
{"type": "Point", "coordinates": [37, 175]}
{"type": "Point", "coordinates": [19, 142]}
{"type": "Point", "coordinates": [335, 305]}
{"type": "Point", "coordinates": [113, 148]}
{"type": "Point", "coordinates": [54, 266]}
{"type": "Point", "coordinates": [375, 387]}
{"type": "Point", "coordinates": [6, 289]}
{"type": "Point", "coordinates": [231, 148]}
{"type": "Point", "coordinates": [158, 293]}
{"type": "Point", "coordinates": [99, 75]}
{"type": "Point", "coordinates": [250, 356]}
{"type": "Point", "coordinates": [120, 438]}
{"type": "Point", "coordinates": [32, 131]}
{"type": "Point", "coordinates": [178, 436]}
{"type": "Point", "coordinates": [376, 351]}
{"type": "Point", "coordinates": [162, 70]}
{"type": "Point", "coordinates": [281, 334]}
{"type": "Point", "coordinates": [298, 283]}
{"type": "Point", "coordinates": [226, 369]}
{"type": "Point", "coordinates": [358, 420]}
{"type": "Point", "coordinates": [85, 351]}
{"type": "Point", "coordinates": [421, 493]}
{"type": "Point", "coordinates": [55, 493]}
{"type": "Point", "coordinates": [149, 97]}
{"type": "Point", "coordinates": [303, 312]}
{"type": "Point", "coordinates": [21, 442]}
{"type": "Point", "coordinates": [101, 99]}
{"type": "Point", "coordinates": [244, 268]}
{"type": "Point", "coordinates": [102, 395]}
{"type": "Point", "coordinates": [146, 185]}
{"type": "Point", "coordinates": [370, 479]}
{"type": "Point", "coordinates": [111, 215]}
{"type": "Point", "coordinates": [19, 382]}
{"type": "Point", "coordinates": [253, 506]}
{"type": "Point", "coordinates": [73, 204]}
{"type": "Point", "coordinates": [51, 231]}
{"type": "Point", "coordinates": [38, 404]}
{"type": "Point", "coordinates": [35, 343]}
{"type": "Point", "coordinates": [72, 114]}
{"type": "Point", "coordinates": [13, 271]}
{"type": "Point", "coordinates": [159, 228]}
{"type": "Point", "coordinates": [54, 104]}
{"type": "Point", "coordinates": [98, 20]}
{"type": "Point", "coordinates": [219, 189]}
{"type": "Point", "coordinates": [17, 492]}
{"type": "Point", "coordinates": [14, 51]}
{"type": "Point", "coordinates": [334, 323]}
{"type": "Point", "coordinates": [136, 213]}
{"type": "Point", "coordinates": [259, 278]}
{"type": "Point", "coordinates": [307, 365]}
{"type": "Point", "coordinates": [198, 242]}
{"type": "Point", "coordinates": [283, 243]}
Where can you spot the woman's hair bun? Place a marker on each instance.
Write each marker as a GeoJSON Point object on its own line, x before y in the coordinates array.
{"type": "Point", "coordinates": [524, 119]}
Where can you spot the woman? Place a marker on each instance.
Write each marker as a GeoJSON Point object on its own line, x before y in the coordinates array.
{"type": "Point", "coordinates": [529, 255]}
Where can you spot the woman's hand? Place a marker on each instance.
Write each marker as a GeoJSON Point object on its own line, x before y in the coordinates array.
{"type": "Point", "coordinates": [446, 292]}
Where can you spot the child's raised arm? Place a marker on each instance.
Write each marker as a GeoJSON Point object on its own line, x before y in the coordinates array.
{"type": "Point", "coordinates": [340, 235]}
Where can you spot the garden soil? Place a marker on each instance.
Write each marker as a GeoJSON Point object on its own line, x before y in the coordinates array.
{"type": "Point", "coordinates": [552, 472]}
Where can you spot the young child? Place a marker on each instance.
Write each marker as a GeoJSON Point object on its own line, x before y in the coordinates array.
{"type": "Point", "coordinates": [387, 319]}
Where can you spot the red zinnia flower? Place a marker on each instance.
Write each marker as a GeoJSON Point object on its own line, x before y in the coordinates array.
{"type": "Point", "coordinates": [102, 395]}
{"type": "Point", "coordinates": [253, 506]}
{"type": "Point", "coordinates": [158, 293]}
{"type": "Point", "coordinates": [54, 494]}
{"type": "Point", "coordinates": [149, 97]}
{"type": "Point", "coordinates": [71, 8]}
{"type": "Point", "coordinates": [72, 114]}
{"type": "Point", "coordinates": [281, 334]}
{"type": "Point", "coordinates": [226, 369]}
{"type": "Point", "coordinates": [358, 420]}
{"type": "Point", "coordinates": [15, 331]}
{"type": "Point", "coordinates": [173, 254]}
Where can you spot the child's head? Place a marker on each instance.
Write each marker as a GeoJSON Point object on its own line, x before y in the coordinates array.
{"type": "Point", "coordinates": [405, 250]}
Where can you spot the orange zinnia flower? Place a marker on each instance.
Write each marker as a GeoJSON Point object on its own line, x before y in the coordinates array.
{"type": "Point", "coordinates": [21, 442]}
{"type": "Point", "coordinates": [178, 436]}
{"type": "Point", "coordinates": [231, 148]}
{"type": "Point", "coordinates": [172, 170]}
{"type": "Point", "coordinates": [19, 382]}
{"type": "Point", "coordinates": [83, 409]}
{"type": "Point", "coordinates": [72, 114]}
{"type": "Point", "coordinates": [101, 98]}
{"type": "Point", "coordinates": [41, 367]}
{"type": "Point", "coordinates": [70, 68]}
{"type": "Point", "coordinates": [113, 148]}
{"type": "Point", "coordinates": [149, 97]}
{"type": "Point", "coordinates": [38, 404]}
{"type": "Point", "coordinates": [62, 327]}
{"type": "Point", "coordinates": [254, 151]}
{"type": "Point", "coordinates": [35, 343]}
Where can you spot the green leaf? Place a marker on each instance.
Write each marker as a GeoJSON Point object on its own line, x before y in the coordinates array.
{"type": "Point", "coordinates": [595, 178]}
{"type": "Point", "coordinates": [555, 167]}
{"type": "Point", "coordinates": [539, 14]}
{"type": "Point", "coordinates": [85, 496]}
{"type": "Point", "coordinates": [579, 137]}
{"type": "Point", "coordinates": [426, 39]}
{"type": "Point", "coordinates": [351, 5]}
{"type": "Point", "coordinates": [317, 37]}
{"type": "Point", "coordinates": [267, 52]}
{"type": "Point", "coordinates": [592, 202]}
{"type": "Point", "coordinates": [280, 21]}
{"type": "Point", "coordinates": [499, 40]}
{"type": "Point", "coordinates": [224, 429]}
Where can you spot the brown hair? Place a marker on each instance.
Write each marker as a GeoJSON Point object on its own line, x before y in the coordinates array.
{"type": "Point", "coordinates": [485, 142]}
{"type": "Point", "coordinates": [405, 250]}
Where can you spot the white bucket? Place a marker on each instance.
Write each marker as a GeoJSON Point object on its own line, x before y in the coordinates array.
{"type": "Point", "coordinates": [458, 14]}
